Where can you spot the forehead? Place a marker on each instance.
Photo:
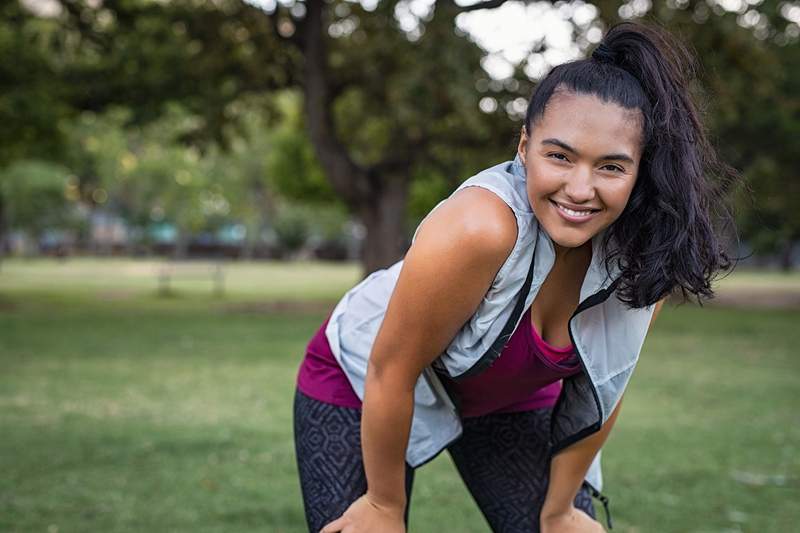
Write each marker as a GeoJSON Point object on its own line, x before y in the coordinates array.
{"type": "Point", "coordinates": [590, 125]}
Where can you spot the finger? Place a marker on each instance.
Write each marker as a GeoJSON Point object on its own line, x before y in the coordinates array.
{"type": "Point", "coordinates": [333, 527]}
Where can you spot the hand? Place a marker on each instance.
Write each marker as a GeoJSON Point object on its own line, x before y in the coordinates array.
{"type": "Point", "coordinates": [364, 516]}
{"type": "Point", "coordinates": [571, 521]}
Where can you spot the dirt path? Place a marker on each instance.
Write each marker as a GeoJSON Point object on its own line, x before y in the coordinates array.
{"type": "Point", "coordinates": [760, 298]}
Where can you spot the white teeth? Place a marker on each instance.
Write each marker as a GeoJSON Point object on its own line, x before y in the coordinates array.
{"type": "Point", "coordinates": [574, 213]}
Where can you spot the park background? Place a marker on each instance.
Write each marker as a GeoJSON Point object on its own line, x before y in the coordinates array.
{"type": "Point", "coordinates": [187, 187]}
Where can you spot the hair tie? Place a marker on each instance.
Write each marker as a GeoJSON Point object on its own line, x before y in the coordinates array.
{"type": "Point", "coordinates": [604, 54]}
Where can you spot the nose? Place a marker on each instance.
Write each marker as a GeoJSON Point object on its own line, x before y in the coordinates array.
{"type": "Point", "coordinates": [579, 187]}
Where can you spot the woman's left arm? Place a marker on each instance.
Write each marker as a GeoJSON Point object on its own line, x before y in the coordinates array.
{"type": "Point", "coordinates": [567, 471]}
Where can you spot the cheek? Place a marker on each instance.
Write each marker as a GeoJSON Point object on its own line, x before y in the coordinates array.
{"type": "Point", "coordinates": [541, 182]}
{"type": "Point", "coordinates": [616, 198]}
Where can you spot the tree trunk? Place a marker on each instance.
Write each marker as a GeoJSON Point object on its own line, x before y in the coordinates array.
{"type": "Point", "coordinates": [384, 218]}
{"type": "Point", "coordinates": [181, 250]}
{"type": "Point", "coordinates": [349, 180]}
{"type": "Point", "coordinates": [379, 202]}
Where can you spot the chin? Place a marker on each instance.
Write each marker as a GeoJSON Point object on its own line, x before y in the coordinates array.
{"type": "Point", "coordinates": [566, 242]}
{"type": "Point", "coordinates": [568, 237]}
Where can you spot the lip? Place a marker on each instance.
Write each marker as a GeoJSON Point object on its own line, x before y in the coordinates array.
{"type": "Point", "coordinates": [570, 218]}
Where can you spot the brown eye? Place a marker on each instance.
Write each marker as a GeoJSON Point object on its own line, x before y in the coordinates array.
{"type": "Point", "coordinates": [614, 167]}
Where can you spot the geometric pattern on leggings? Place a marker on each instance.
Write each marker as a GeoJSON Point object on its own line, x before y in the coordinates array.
{"type": "Point", "coordinates": [504, 460]}
{"type": "Point", "coordinates": [327, 441]}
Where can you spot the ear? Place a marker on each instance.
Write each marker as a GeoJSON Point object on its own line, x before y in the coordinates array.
{"type": "Point", "coordinates": [522, 148]}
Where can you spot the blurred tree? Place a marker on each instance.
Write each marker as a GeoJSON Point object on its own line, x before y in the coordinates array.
{"type": "Point", "coordinates": [386, 105]}
{"type": "Point", "coordinates": [96, 152]}
{"type": "Point", "coordinates": [382, 104]}
{"type": "Point", "coordinates": [243, 169]}
{"type": "Point", "coordinates": [31, 99]}
{"type": "Point", "coordinates": [291, 165]}
{"type": "Point", "coordinates": [378, 104]}
{"type": "Point", "coordinates": [37, 195]}
{"type": "Point", "coordinates": [146, 174]}
{"type": "Point", "coordinates": [765, 143]}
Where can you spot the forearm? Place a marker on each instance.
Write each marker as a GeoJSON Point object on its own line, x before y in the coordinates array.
{"type": "Point", "coordinates": [568, 469]}
{"type": "Point", "coordinates": [385, 425]}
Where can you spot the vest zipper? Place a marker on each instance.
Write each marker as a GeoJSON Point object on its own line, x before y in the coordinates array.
{"type": "Point", "coordinates": [603, 499]}
{"type": "Point", "coordinates": [595, 299]}
{"type": "Point", "coordinates": [591, 301]}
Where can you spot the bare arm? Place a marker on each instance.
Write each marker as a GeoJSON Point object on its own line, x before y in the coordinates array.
{"type": "Point", "coordinates": [568, 469]}
{"type": "Point", "coordinates": [455, 257]}
{"type": "Point", "coordinates": [446, 273]}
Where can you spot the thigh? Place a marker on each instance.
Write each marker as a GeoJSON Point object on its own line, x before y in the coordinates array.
{"type": "Point", "coordinates": [327, 441]}
{"type": "Point", "coordinates": [504, 460]}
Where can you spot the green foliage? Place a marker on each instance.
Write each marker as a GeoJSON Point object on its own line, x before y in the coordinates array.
{"type": "Point", "coordinates": [427, 189]}
{"type": "Point", "coordinates": [295, 224]}
{"type": "Point", "coordinates": [32, 97]}
{"type": "Point", "coordinates": [766, 145]}
{"type": "Point", "coordinates": [36, 193]}
{"type": "Point", "coordinates": [291, 165]}
{"type": "Point", "coordinates": [293, 168]}
{"type": "Point", "coordinates": [146, 55]}
{"type": "Point", "coordinates": [413, 98]}
{"type": "Point", "coordinates": [144, 173]}
{"type": "Point", "coordinates": [198, 111]}
{"type": "Point", "coordinates": [149, 174]}
{"type": "Point", "coordinates": [292, 228]}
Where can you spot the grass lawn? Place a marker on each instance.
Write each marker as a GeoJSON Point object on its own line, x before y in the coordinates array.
{"type": "Point", "coordinates": [122, 411]}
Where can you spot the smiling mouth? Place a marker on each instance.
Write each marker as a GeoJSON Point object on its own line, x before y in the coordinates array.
{"type": "Point", "coordinates": [573, 213]}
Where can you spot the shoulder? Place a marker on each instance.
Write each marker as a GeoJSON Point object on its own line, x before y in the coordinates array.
{"type": "Point", "coordinates": [458, 251]}
{"type": "Point", "coordinates": [475, 218]}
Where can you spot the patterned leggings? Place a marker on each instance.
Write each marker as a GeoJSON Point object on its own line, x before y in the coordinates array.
{"type": "Point", "coordinates": [503, 459]}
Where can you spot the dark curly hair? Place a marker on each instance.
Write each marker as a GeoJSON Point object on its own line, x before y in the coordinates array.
{"type": "Point", "coordinates": [666, 238]}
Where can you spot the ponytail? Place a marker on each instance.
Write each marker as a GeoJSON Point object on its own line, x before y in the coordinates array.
{"type": "Point", "coordinates": [665, 238]}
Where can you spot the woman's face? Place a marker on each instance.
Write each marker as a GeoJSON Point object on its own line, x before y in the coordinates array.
{"type": "Point", "coordinates": [581, 162]}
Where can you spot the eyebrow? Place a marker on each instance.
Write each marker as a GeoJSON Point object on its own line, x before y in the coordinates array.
{"type": "Point", "coordinates": [565, 146]}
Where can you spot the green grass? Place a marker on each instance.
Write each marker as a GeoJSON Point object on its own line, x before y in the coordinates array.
{"type": "Point", "coordinates": [122, 411]}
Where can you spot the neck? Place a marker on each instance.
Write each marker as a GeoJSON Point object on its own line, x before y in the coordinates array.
{"type": "Point", "coordinates": [569, 254]}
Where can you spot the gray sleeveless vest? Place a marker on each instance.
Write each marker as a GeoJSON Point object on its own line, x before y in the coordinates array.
{"type": "Point", "coordinates": [607, 335]}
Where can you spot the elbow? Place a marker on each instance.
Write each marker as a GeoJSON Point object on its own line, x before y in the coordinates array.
{"type": "Point", "coordinates": [389, 378]}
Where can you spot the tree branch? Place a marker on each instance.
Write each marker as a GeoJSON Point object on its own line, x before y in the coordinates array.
{"type": "Point", "coordinates": [349, 180]}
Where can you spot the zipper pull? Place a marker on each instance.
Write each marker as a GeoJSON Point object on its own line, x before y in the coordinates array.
{"type": "Point", "coordinates": [604, 500]}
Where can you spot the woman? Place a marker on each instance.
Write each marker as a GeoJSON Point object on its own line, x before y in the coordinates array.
{"type": "Point", "coordinates": [510, 329]}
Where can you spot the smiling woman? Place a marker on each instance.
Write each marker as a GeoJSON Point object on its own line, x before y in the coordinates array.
{"type": "Point", "coordinates": [583, 159]}
{"type": "Point", "coordinates": [508, 333]}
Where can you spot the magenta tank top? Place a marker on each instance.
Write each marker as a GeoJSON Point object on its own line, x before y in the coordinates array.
{"type": "Point", "coordinates": [527, 375]}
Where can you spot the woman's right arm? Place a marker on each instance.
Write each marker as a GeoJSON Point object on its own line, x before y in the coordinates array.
{"type": "Point", "coordinates": [454, 259]}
